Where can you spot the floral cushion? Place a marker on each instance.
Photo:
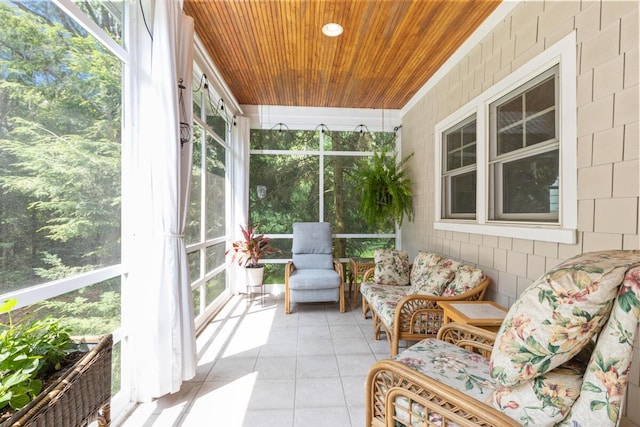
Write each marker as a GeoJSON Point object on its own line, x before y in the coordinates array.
{"type": "Point", "coordinates": [571, 303]}
{"type": "Point", "coordinates": [545, 400]}
{"type": "Point", "coordinates": [384, 299]}
{"type": "Point", "coordinates": [466, 278]}
{"type": "Point", "coordinates": [451, 365]}
{"type": "Point", "coordinates": [422, 264]}
{"type": "Point", "coordinates": [391, 267]}
{"type": "Point", "coordinates": [608, 372]}
{"type": "Point", "coordinates": [432, 282]}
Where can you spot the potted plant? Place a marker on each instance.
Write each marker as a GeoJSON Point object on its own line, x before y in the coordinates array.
{"type": "Point", "coordinates": [386, 189]}
{"type": "Point", "coordinates": [48, 379]}
{"type": "Point", "coordinates": [248, 251]}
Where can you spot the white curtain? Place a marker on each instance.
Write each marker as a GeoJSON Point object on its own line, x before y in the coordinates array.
{"type": "Point", "coordinates": [163, 335]}
{"type": "Point", "coordinates": [240, 167]}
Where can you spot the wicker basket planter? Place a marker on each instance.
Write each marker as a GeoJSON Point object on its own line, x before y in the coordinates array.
{"type": "Point", "coordinates": [79, 397]}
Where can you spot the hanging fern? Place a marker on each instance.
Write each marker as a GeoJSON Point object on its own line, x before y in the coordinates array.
{"type": "Point", "coordinates": [386, 189]}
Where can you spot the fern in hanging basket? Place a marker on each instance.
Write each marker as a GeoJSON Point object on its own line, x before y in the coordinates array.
{"type": "Point", "coordinates": [386, 189]}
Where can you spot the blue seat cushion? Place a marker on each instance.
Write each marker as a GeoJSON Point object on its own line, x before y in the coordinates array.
{"type": "Point", "coordinates": [314, 279]}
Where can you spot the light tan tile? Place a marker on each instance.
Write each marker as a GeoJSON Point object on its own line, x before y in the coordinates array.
{"type": "Point", "coordinates": [507, 284]}
{"type": "Point", "coordinates": [522, 245]}
{"type": "Point", "coordinates": [501, 35]}
{"type": "Point", "coordinates": [587, 21]}
{"type": "Point", "coordinates": [566, 251]}
{"type": "Point", "coordinates": [629, 30]}
{"type": "Point", "coordinates": [631, 68]}
{"type": "Point", "coordinates": [551, 263]}
{"type": "Point", "coordinates": [476, 239]}
{"type": "Point", "coordinates": [626, 179]}
{"type": "Point", "coordinates": [507, 53]}
{"type": "Point", "coordinates": [633, 409]}
{"type": "Point", "coordinates": [525, 14]}
{"type": "Point", "coordinates": [626, 106]}
{"type": "Point", "coordinates": [631, 141]}
{"type": "Point", "coordinates": [485, 257]}
{"type": "Point", "coordinates": [601, 241]}
{"type": "Point", "coordinates": [616, 9]}
{"type": "Point", "coordinates": [522, 284]}
{"type": "Point", "coordinates": [596, 116]}
{"type": "Point", "coordinates": [527, 55]}
{"type": "Point", "coordinates": [492, 65]}
{"type": "Point", "coordinates": [585, 151]}
{"type": "Point", "coordinates": [469, 252]}
{"type": "Point", "coordinates": [631, 241]}
{"type": "Point", "coordinates": [536, 266]}
{"type": "Point", "coordinates": [517, 263]}
{"type": "Point", "coordinates": [608, 146]}
{"type": "Point", "coordinates": [526, 36]}
{"type": "Point", "coordinates": [595, 182]}
{"type": "Point", "coordinates": [601, 48]}
{"type": "Point", "coordinates": [504, 242]}
{"type": "Point", "coordinates": [585, 214]}
{"type": "Point", "coordinates": [546, 249]}
{"type": "Point", "coordinates": [616, 215]}
{"type": "Point", "coordinates": [608, 78]}
{"type": "Point", "coordinates": [557, 13]}
{"type": "Point", "coordinates": [585, 88]}
{"type": "Point", "coordinates": [491, 241]}
{"type": "Point", "coordinates": [500, 259]}
{"type": "Point", "coordinates": [560, 32]}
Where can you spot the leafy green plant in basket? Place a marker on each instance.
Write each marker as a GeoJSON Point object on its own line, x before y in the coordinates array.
{"type": "Point", "coordinates": [29, 351]}
{"type": "Point", "coordinates": [386, 189]}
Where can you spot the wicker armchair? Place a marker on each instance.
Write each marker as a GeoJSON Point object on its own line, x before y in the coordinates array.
{"type": "Point", "coordinates": [562, 357]}
{"type": "Point", "coordinates": [397, 394]}
{"type": "Point", "coordinates": [416, 316]}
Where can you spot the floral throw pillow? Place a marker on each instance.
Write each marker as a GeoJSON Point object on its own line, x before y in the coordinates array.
{"type": "Point", "coordinates": [547, 399]}
{"type": "Point", "coordinates": [466, 278]}
{"type": "Point", "coordinates": [422, 266]}
{"type": "Point", "coordinates": [558, 315]}
{"type": "Point", "coordinates": [433, 282]}
{"type": "Point", "coordinates": [391, 267]}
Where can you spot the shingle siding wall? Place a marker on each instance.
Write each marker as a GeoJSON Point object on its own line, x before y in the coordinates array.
{"type": "Point", "coordinates": [607, 147]}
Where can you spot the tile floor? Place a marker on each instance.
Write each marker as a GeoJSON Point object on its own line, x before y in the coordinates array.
{"type": "Point", "coordinates": [259, 367]}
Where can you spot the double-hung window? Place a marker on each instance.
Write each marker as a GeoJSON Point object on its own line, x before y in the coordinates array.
{"type": "Point", "coordinates": [459, 170]}
{"type": "Point", "coordinates": [507, 159]}
{"type": "Point", "coordinates": [524, 152]}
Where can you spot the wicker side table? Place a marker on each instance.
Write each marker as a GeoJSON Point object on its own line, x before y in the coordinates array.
{"type": "Point", "coordinates": [357, 267]}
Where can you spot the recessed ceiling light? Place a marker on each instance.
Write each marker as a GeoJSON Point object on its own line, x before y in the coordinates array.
{"type": "Point", "coordinates": [332, 29]}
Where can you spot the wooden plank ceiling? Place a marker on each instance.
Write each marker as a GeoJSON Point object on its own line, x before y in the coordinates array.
{"type": "Point", "coordinates": [272, 52]}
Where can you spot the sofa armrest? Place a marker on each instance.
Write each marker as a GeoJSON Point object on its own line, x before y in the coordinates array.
{"type": "Point", "coordinates": [396, 392]}
{"type": "Point", "coordinates": [469, 337]}
{"type": "Point", "coordinates": [368, 275]}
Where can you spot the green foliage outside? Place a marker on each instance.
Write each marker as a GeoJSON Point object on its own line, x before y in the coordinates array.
{"type": "Point", "coordinates": [60, 132]}
{"type": "Point", "coordinates": [290, 187]}
{"type": "Point", "coordinates": [60, 114]}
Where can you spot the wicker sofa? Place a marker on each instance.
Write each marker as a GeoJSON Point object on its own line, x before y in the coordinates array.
{"type": "Point", "coordinates": [562, 357]}
{"type": "Point", "coordinates": [404, 304]}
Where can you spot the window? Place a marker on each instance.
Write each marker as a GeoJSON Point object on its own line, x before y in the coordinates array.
{"type": "Point", "coordinates": [459, 170]}
{"type": "Point", "coordinates": [524, 160]}
{"type": "Point", "coordinates": [306, 175]}
{"type": "Point", "coordinates": [205, 232]}
{"type": "Point", "coordinates": [507, 159]}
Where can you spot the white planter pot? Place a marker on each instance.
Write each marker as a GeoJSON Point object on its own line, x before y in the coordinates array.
{"type": "Point", "coordinates": [254, 275]}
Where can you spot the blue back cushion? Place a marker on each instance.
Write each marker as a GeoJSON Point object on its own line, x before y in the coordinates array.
{"type": "Point", "coordinates": [312, 245]}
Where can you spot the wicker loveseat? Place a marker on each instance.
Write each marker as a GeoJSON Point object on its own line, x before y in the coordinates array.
{"type": "Point", "coordinates": [403, 298]}
{"type": "Point", "coordinates": [562, 357]}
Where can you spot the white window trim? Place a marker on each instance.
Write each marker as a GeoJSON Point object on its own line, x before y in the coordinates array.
{"type": "Point", "coordinates": [563, 54]}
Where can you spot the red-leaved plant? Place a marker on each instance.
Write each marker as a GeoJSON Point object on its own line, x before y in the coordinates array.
{"type": "Point", "coordinates": [248, 251]}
